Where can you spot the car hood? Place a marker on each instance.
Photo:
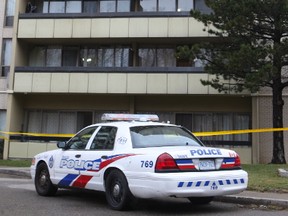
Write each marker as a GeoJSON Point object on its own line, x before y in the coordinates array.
{"type": "Point", "coordinates": [46, 154]}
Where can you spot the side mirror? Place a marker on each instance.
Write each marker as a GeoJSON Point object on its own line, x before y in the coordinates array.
{"type": "Point", "coordinates": [61, 145]}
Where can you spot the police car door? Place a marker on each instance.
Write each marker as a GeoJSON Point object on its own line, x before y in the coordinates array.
{"type": "Point", "coordinates": [100, 154]}
{"type": "Point", "coordinates": [72, 159]}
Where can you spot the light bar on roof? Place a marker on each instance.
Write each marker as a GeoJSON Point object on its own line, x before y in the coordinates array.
{"type": "Point", "coordinates": [128, 117]}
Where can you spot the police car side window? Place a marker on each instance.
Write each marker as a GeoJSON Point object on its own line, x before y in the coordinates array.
{"type": "Point", "coordinates": [104, 139]}
{"type": "Point", "coordinates": [80, 140]}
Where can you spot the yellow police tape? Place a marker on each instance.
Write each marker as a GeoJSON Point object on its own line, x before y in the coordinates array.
{"type": "Point", "coordinates": [36, 134]}
{"type": "Point", "coordinates": [2, 137]}
{"type": "Point", "coordinates": [198, 134]}
{"type": "Point", "coordinates": [229, 132]}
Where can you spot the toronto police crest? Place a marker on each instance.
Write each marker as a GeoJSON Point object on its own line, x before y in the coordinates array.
{"type": "Point", "coordinates": [51, 162]}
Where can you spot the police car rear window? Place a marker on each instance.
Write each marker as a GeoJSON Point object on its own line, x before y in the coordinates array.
{"type": "Point", "coordinates": [157, 136]}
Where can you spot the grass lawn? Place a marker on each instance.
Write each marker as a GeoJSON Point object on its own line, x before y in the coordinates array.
{"type": "Point", "coordinates": [262, 177]}
{"type": "Point", "coordinates": [15, 163]}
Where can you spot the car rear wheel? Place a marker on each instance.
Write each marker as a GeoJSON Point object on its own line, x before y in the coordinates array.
{"type": "Point", "coordinates": [200, 200]}
{"type": "Point", "coordinates": [118, 194]}
{"type": "Point", "coordinates": [43, 184]}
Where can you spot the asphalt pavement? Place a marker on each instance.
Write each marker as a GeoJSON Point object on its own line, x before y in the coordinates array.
{"type": "Point", "coordinates": [263, 199]}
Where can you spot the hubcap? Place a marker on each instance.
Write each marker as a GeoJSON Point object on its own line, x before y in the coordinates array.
{"type": "Point", "coordinates": [42, 179]}
{"type": "Point", "coordinates": [116, 190]}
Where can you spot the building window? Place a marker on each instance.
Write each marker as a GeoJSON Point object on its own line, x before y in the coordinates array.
{"type": "Point", "coordinates": [42, 56]}
{"type": "Point", "coordinates": [70, 56]}
{"type": "Point", "coordinates": [89, 6]}
{"type": "Point", "coordinates": [49, 122]}
{"type": "Point", "coordinates": [6, 57]}
{"type": "Point", "coordinates": [38, 56]}
{"type": "Point", "coordinates": [166, 5]}
{"type": "Point", "coordinates": [73, 6]}
{"type": "Point", "coordinates": [242, 123]}
{"type": "Point", "coordinates": [88, 57]}
{"type": "Point", "coordinates": [185, 57]}
{"type": "Point", "coordinates": [201, 6]}
{"type": "Point", "coordinates": [84, 119]}
{"type": "Point", "coordinates": [86, 6]}
{"type": "Point", "coordinates": [53, 56]}
{"type": "Point", "coordinates": [123, 6]}
{"type": "Point", "coordinates": [148, 5]}
{"type": "Point", "coordinates": [57, 122]}
{"type": "Point", "coordinates": [206, 122]}
{"type": "Point", "coordinates": [67, 122]}
{"type": "Point", "coordinates": [107, 6]}
{"type": "Point", "coordinates": [104, 6]}
{"type": "Point", "coordinates": [54, 7]}
{"type": "Point", "coordinates": [2, 120]}
{"type": "Point", "coordinates": [186, 5]}
{"type": "Point", "coordinates": [62, 7]}
{"type": "Point", "coordinates": [165, 57]}
{"type": "Point", "coordinates": [113, 57]}
{"type": "Point", "coordinates": [108, 56]}
{"type": "Point", "coordinates": [156, 57]}
{"type": "Point", "coordinates": [53, 122]}
{"type": "Point", "coordinates": [103, 56]}
{"type": "Point", "coordinates": [9, 13]}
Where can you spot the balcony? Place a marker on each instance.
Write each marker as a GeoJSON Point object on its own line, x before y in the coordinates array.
{"type": "Point", "coordinates": [129, 80]}
{"type": "Point", "coordinates": [107, 27]}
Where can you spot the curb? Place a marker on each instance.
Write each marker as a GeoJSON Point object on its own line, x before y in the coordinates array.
{"type": "Point", "coordinates": [253, 200]}
{"type": "Point", "coordinates": [20, 173]}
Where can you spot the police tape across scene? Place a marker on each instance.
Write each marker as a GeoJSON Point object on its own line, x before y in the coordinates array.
{"type": "Point", "coordinates": [198, 134]}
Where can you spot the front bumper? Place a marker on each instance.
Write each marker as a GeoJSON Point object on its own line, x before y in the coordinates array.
{"type": "Point", "coordinates": [33, 171]}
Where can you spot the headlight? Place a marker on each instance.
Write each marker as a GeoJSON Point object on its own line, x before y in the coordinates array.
{"type": "Point", "coordinates": [33, 161]}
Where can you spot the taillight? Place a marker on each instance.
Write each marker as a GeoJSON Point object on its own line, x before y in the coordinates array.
{"type": "Point", "coordinates": [231, 163]}
{"type": "Point", "coordinates": [166, 163]}
{"type": "Point", "coordinates": [237, 161]}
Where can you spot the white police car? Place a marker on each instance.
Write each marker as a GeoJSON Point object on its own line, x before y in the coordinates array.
{"type": "Point", "coordinates": [139, 159]}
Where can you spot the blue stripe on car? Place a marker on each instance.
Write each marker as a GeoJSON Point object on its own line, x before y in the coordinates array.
{"type": "Point", "coordinates": [67, 180]}
{"type": "Point", "coordinates": [209, 183]}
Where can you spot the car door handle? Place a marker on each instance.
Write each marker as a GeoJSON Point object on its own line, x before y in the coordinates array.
{"type": "Point", "coordinates": [78, 155]}
{"type": "Point", "coordinates": [104, 157]}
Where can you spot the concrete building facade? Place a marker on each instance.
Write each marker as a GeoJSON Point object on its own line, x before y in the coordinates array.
{"type": "Point", "coordinates": [6, 33]}
{"type": "Point", "coordinates": [72, 61]}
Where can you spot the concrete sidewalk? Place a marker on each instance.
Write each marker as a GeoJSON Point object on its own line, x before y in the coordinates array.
{"type": "Point", "coordinates": [245, 198]}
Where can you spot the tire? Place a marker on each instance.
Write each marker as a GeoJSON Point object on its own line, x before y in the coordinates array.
{"type": "Point", "coordinates": [200, 200]}
{"type": "Point", "coordinates": [118, 194]}
{"type": "Point", "coordinates": [43, 184]}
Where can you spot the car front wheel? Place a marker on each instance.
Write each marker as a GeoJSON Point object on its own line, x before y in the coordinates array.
{"type": "Point", "coordinates": [118, 194]}
{"type": "Point", "coordinates": [43, 184]}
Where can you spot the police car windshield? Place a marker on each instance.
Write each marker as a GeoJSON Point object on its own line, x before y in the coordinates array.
{"type": "Point", "coordinates": [157, 136]}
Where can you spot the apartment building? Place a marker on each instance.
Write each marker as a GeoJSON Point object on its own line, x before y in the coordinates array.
{"type": "Point", "coordinates": [75, 60]}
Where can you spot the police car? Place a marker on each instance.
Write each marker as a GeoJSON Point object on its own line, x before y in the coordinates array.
{"type": "Point", "coordinates": [139, 157]}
